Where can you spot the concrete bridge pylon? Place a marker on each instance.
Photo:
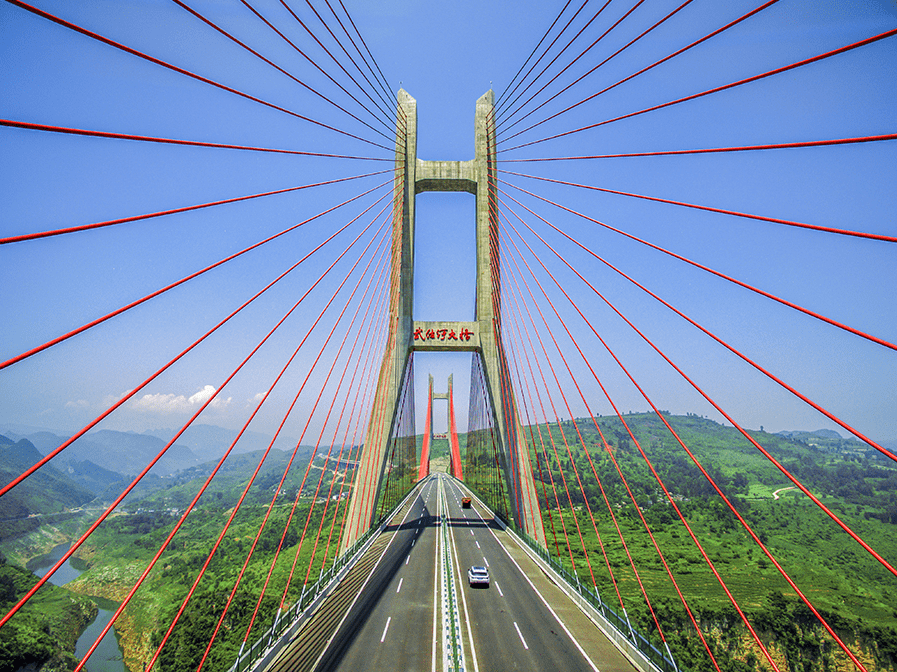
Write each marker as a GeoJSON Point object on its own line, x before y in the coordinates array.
{"type": "Point", "coordinates": [482, 336]}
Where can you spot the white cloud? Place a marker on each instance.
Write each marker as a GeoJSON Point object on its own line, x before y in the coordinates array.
{"type": "Point", "coordinates": [203, 395]}
{"type": "Point", "coordinates": [178, 403]}
{"type": "Point", "coordinates": [111, 399]}
{"type": "Point", "coordinates": [80, 403]}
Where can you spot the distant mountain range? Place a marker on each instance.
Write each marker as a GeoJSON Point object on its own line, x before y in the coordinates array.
{"type": "Point", "coordinates": [208, 442]}
{"type": "Point", "coordinates": [101, 463]}
{"type": "Point", "coordinates": [47, 491]}
{"type": "Point", "coordinates": [130, 452]}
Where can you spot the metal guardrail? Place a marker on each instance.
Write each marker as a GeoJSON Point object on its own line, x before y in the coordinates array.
{"type": "Point", "coordinates": [663, 662]}
{"type": "Point", "coordinates": [660, 660]}
{"type": "Point", "coordinates": [264, 646]}
{"type": "Point", "coordinates": [272, 640]}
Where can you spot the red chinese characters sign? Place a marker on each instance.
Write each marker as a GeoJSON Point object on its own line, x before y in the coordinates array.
{"type": "Point", "coordinates": [464, 334]}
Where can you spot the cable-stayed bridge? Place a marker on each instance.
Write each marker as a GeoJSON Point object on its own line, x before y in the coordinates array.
{"type": "Point", "coordinates": [211, 216]}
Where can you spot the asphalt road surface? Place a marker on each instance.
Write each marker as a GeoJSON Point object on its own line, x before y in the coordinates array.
{"type": "Point", "coordinates": [511, 627]}
{"type": "Point", "coordinates": [394, 622]}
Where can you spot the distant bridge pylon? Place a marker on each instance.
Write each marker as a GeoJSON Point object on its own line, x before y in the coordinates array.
{"type": "Point", "coordinates": [455, 468]}
{"type": "Point", "coordinates": [482, 336]}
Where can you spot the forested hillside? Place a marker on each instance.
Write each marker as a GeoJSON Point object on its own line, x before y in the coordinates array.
{"type": "Point", "coordinates": [851, 589]}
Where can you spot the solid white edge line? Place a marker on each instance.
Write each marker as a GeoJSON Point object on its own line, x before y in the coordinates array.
{"type": "Point", "coordinates": [363, 586]}
{"type": "Point", "coordinates": [383, 638]}
{"type": "Point", "coordinates": [542, 597]}
{"type": "Point", "coordinates": [516, 627]}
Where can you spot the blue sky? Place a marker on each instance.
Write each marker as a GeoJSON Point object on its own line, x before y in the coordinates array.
{"type": "Point", "coordinates": [446, 55]}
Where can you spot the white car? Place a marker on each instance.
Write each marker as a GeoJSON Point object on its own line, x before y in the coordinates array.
{"type": "Point", "coordinates": [478, 576]}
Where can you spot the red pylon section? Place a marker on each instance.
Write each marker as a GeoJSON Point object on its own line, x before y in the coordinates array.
{"type": "Point", "coordinates": [455, 460]}
{"type": "Point", "coordinates": [424, 470]}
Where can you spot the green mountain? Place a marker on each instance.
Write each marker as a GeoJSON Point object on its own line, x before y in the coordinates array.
{"type": "Point", "coordinates": [47, 491]}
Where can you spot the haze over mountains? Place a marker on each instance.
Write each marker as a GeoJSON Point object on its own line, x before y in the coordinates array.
{"type": "Point", "coordinates": [103, 462]}
{"type": "Point", "coordinates": [129, 452]}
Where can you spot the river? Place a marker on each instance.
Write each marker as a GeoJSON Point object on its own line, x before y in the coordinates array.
{"type": "Point", "coordinates": [108, 656]}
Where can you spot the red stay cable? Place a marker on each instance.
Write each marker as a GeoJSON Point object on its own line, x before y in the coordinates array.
{"type": "Point", "coordinates": [374, 60]}
{"type": "Point", "coordinates": [494, 216]}
{"type": "Point", "coordinates": [158, 292]}
{"type": "Point", "coordinates": [570, 65]}
{"type": "Point", "coordinates": [613, 55]}
{"type": "Point", "coordinates": [772, 377]}
{"type": "Point", "coordinates": [327, 51]}
{"type": "Point", "coordinates": [375, 423]}
{"type": "Point", "coordinates": [709, 150]}
{"type": "Point", "coordinates": [129, 395]}
{"type": "Point", "coordinates": [657, 477]}
{"type": "Point", "coordinates": [330, 450]}
{"type": "Point", "coordinates": [374, 427]}
{"type": "Point", "coordinates": [532, 449]}
{"type": "Point", "coordinates": [500, 113]}
{"type": "Point", "coordinates": [554, 489]}
{"type": "Point", "coordinates": [533, 52]}
{"type": "Point", "coordinates": [239, 504]}
{"type": "Point", "coordinates": [360, 404]}
{"type": "Point", "coordinates": [530, 422]}
{"type": "Point", "coordinates": [501, 102]}
{"type": "Point", "coordinates": [601, 434]}
{"type": "Point", "coordinates": [133, 483]}
{"type": "Point", "coordinates": [719, 578]}
{"type": "Point", "coordinates": [511, 411]}
{"type": "Point", "coordinates": [734, 213]}
{"type": "Point", "coordinates": [304, 478]}
{"type": "Point", "coordinates": [573, 464]}
{"type": "Point", "coordinates": [725, 87]}
{"type": "Point", "coordinates": [307, 57]}
{"type": "Point", "coordinates": [162, 213]}
{"type": "Point", "coordinates": [554, 533]}
{"type": "Point", "coordinates": [544, 386]}
{"type": "Point", "coordinates": [348, 55]}
{"type": "Point", "coordinates": [766, 454]}
{"type": "Point", "coordinates": [174, 68]}
{"type": "Point", "coordinates": [12, 123]}
{"type": "Point", "coordinates": [509, 436]}
{"type": "Point", "coordinates": [666, 58]}
{"type": "Point", "coordinates": [378, 418]}
{"type": "Point", "coordinates": [258, 534]}
{"type": "Point", "coordinates": [211, 476]}
{"type": "Point", "coordinates": [252, 51]}
{"type": "Point", "coordinates": [529, 446]}
{"type": "Point", "coordinates": [358, 51]}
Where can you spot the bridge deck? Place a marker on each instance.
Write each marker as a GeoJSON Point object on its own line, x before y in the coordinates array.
{"type": "Point", "coordinates": [382, 616]}
{"type": "Point", "coordinates": [356, 593]}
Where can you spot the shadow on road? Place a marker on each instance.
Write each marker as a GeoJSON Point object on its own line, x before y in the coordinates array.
{"type": "Point", "coordinates": [410, 531]}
